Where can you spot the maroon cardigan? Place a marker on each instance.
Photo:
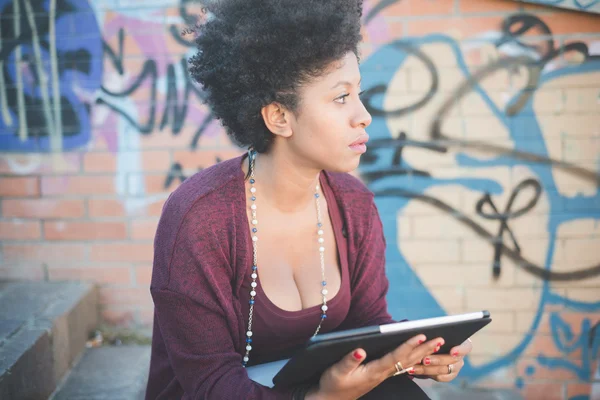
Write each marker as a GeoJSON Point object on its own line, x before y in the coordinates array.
{"type": "Point", "coordinates": [200, 259]}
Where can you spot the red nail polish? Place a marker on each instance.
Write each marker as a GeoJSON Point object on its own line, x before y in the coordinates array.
{"type": "Point", "coordinates": [437, 349]}
{"type": "Point", "coordinates": [357, 355]}
{"type": "Point", "coordinates": [440, 344]}
{"type": "Point", "coordinates": [420, 341]}
{"type": "Point", "coordinates": [455, 354]}
{"type": "Point", "coordinates": [426, 361]}
{"type": "Point", "coordinates": [411, 371]}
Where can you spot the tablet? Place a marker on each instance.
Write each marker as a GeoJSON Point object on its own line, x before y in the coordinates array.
{"type": "Point", "coordinates": [322, 351]}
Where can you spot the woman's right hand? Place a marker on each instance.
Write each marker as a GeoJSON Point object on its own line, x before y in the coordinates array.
{"type": "Point", "coordinates": [348, 379]}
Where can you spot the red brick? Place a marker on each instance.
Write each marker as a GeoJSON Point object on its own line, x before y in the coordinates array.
{"type": "Point", "coordinates": [71, 184]}
{"type": "Point", "coordinates": [62, 230]}
{"type": "Point", "coordinates": [153, 183]}
{"type": "Point", "coordinates": [570, 22]}
{"type": "Point", "coordinates": [103, 275]}
{"type": "Point", "coordinates": [467, 26]}
{"type": "Point", "coordinates": [22, 272]}
{"type": "Point", "coordinates": [133, 252]}
{"type": "Point", "coordinates": [43, 208]}
{"type": "Point", "coordinates": [139, 207]}
{"type": "Point", "coordinates": [19, 230]}
{"type": "Point", "coordinates": [543, 391]}
{"type": "Point", "coordinates": [37, 163]}
{"type": "Point", "coordinates": [107, 162]}
{"type": "Point", "coordinates": [105, 208]}
{"type": "Point", "coordinates": [99, 162]}
{"type": "Point", "coordinates": [474, 6]}
{"type": "Point", "coordinates": [578, 389]}
{"type": "Point", "coordinates": [21, 186]}
{"type": "Point", "coordinates": [44, 252]}
{"type": "Point", "coordinates": [420, 7]}
{"type": "Point", "coordinates": [143, 274]}
{"type": "Point", "coordinates": [143, 228]}
{"type": "Point", "coordinates": [125, 296]}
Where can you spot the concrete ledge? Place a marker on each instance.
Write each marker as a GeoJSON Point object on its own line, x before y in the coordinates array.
{"type": "Point", "coordinates": [43, 329]}
{"type": "Point", "coordinates": [108, 373]}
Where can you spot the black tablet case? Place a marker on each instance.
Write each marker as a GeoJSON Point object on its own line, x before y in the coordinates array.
{"type": "Point", "coordinates": [307, 365]}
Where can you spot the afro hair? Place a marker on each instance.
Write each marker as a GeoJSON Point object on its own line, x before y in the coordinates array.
{"type": "Point", "coordinates": [252, 53]}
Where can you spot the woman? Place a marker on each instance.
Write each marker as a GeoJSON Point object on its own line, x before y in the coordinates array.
{"type": "Point", "coordinates": [256, 254]}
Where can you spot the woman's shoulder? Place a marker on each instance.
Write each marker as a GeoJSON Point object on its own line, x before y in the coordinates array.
{"type": "Point", "coordinates": [347, 184]}
{"type": "Point", "coordinates": [208, 190]}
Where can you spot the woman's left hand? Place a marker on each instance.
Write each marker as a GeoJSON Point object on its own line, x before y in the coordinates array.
{"type": "Point", "coordinates": [443, 367]}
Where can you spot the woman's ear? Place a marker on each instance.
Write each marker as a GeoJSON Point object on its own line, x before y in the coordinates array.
{"type": "Point", "coordinates": [277, 119]}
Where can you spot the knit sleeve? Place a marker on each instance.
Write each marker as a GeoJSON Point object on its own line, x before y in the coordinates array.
{"type": "Point", "coordinates": [369, 282]}
{"type": "Point", "coordinates": [193, 299]}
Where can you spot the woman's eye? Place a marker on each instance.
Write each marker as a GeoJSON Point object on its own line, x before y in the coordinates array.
{"type": "Point", "coordinates": [342, 99]}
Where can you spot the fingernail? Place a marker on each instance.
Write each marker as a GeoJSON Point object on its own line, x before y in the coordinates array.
{"type": "Point", "coordinates": [411, 371]}
{"type": "Point", "coordinates": [440, 344]}
{"type": "Point", "coordinates": [426, 361]}
{"type": "Point", "coordinates": [437, 349]}
{"type": "Point", "coordinates": [455, 354]}
{"type": "Point", "coordinates": [420, 341]}
{"type": "Point", "coordinates": [357, 355]}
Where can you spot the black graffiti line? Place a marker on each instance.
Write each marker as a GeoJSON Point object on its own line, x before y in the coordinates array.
{"type": "Point", "coordinates": [462, 90]}
{"type": "Point", "coordinates": [380, 89]}
{"type": "Point", "coordinates": [149, 69]}
{"type": "Point", "coordinates": [519, 260]}
{"type": "Point", "coordinates": [116, 57]}
{"type": "Point", "coordinates": [507, 215]}
{"type": "Point", "coordinates": [175, 111]}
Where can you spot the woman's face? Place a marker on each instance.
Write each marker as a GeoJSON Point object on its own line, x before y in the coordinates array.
{"type": "Point", "coordinates": [328, 129]}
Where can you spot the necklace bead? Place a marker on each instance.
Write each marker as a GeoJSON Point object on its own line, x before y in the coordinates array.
{"type": "Point", "coordinates": [254, 275]}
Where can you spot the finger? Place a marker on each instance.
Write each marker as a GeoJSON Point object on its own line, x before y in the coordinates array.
{"type": "Point", "coordinates": [462, 349]}
{"type": "Point", "coordinates": [439, 373]}
{"type": "Point", "coordinates": [427, 349]}
{"type": "Point", "coordinates": [386, 364]}
{"type": "Point", "coordinates": [442, 359]}
{"type": "Point", "coordinates": [351, 361]}
{"type": "Point", "coordinates": [431, 370]}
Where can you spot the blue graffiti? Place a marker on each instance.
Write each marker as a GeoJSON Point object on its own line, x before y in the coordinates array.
{"type": "Point", "coordinates": [408, 296]}
{"type": "Point", "coordinates": [584, 5]}
{"type": "Point", "coordinates": [79, 63]}
{"type": "Point", "coordinates": [566, 341]}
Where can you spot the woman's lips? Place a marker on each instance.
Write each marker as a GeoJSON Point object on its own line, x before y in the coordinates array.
{"type": "Point", "coordinates": [359, 147]}
{"type": "Point", "coordinates": [360, 144]}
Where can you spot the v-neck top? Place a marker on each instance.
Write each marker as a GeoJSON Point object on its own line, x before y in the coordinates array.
{"type": "Point", "coordinates": [202, 252]}
{"type": "Point", "coordinates": [277, 332]}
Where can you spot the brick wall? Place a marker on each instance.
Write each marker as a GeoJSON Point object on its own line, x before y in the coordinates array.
{"type": "Point", "coordinates": [502, 214]}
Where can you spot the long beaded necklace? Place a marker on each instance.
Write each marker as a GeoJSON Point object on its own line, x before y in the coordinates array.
{"type": "Point", "coordinates": [254, 274]}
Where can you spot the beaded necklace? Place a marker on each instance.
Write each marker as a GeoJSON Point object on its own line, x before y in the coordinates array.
{"type": "Point", "coordinates": [254, 275]}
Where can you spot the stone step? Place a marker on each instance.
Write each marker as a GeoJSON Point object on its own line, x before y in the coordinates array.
{"type": "Point", "coordinates": [43, 329]}
{"type": "Point", "coordinates": [107, 373]}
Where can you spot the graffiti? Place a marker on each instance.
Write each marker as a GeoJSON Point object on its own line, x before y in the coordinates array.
{"type": "Point", "coordinates": [583, 5]}
{"type": "Point", "coordinates": [175, 109]}
{"type": "Point", "coordinates": [44, 80]}
{"type": "Point", "coordinates": [401, 169]}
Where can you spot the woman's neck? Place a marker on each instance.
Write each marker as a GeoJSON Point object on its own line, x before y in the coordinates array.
{"type": "Point", "coordinates": [283, 182]}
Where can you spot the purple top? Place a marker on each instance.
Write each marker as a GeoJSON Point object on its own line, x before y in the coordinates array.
{"type": "Point", "coordinates": [202, 252]}
{"type": "Point", "coordinates": [277, 332]}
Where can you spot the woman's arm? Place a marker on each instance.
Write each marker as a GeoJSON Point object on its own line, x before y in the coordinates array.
{"type": "Point", "coordinates": [369, 284]}
{"type": "Point", "coordinates": [194, 311]}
